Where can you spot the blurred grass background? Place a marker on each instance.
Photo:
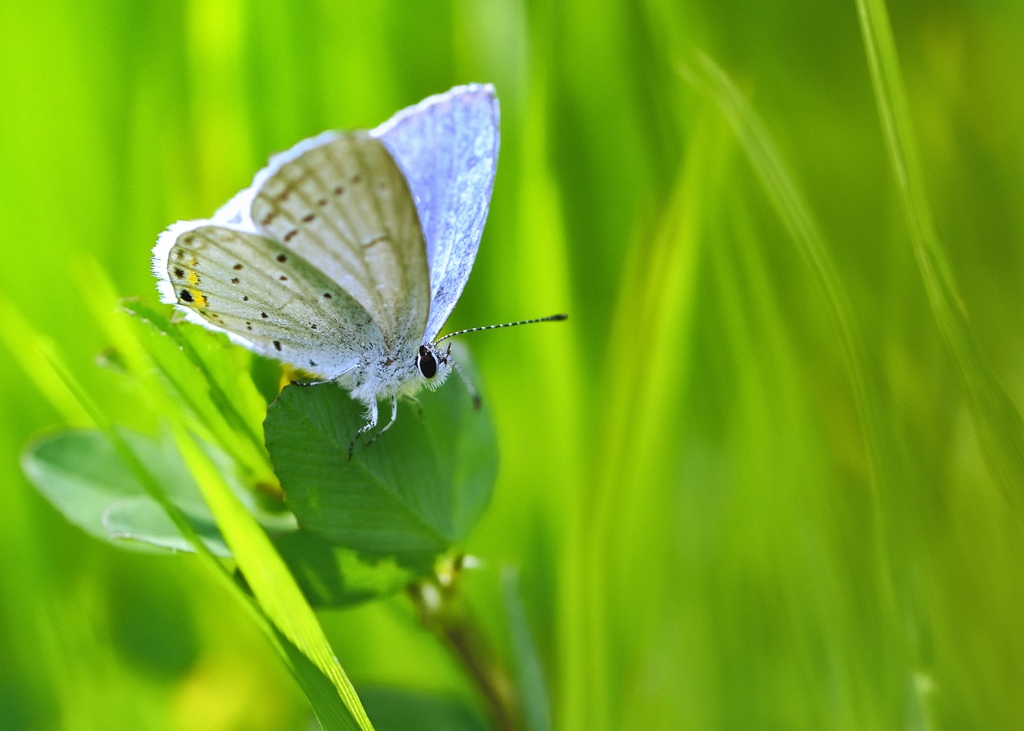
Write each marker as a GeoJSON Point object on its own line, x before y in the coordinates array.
{"type": "Point", "coordinates": [685, 485]}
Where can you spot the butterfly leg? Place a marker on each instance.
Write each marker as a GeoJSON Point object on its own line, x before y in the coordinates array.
{"type": "Point", "coordinates": [473, 393]}
{"type": "Point", "coordinates": [372, 422]}
{"type": "Point", "coordinates": [394, 415]}
{"type": "Point", "coordinates": [312, 383]}
{"type": "Point", "coordinates": [416, 401]}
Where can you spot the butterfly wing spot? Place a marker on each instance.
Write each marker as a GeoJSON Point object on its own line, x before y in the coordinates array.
{"type": "Point", "coordinates": [339, 190]}
{"type": "Point", "coordinates": [356, 180]}
{"type": "Point", "coordinates": [245, 298]}
{"type": "Point", "coordinates": [263, 315]}
{"type": "Point", "coordinates": [327, 295]}
{"type": "Point", "coordinates": [282, 258]}
{"type": "Point", "coordinates": [269, 218]}
{"type": "Point", "coordinates": [236, 267]}
{"type": "Point", "coordinates": [290, 235]}
{"type": "Point", "coordinates": [322, 202]}
{"type": "Point", "coordinates": [308, 217]}
{"type": "Point", "coordinates": [283, 278]}
{"type": "Point", "coordinates": [194, 296]}
{"type": "Point", "coordinates": [312, 364]}
{"type": "Point", "coordinates": [312, 326]}
{"type": "Point", "coordinates": [277, 345]}
{"type": "Point", "coordinates": [234, 280]}
{"type": "Point", "coordinates": [179, 272]}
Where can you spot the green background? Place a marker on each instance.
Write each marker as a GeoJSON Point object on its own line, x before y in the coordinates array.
{"type": "Point", "coordinates": [685, 486]}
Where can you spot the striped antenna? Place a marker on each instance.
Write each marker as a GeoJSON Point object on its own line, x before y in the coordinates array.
{"type": "Point", "coordinates": [549, 318]}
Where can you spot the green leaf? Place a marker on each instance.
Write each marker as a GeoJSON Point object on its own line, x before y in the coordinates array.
{"type": "Point", "coordinates": [411, 494]}
{"type": "Point", "coordinates": [82, 475]}
{"type": "Point", "coordinates": [143, 520]}
{"type": "Point", "coordinates": [393, 709]}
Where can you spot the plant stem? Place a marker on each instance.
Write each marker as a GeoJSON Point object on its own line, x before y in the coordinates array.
{"type": "Point", "coordinates": [445, 612]}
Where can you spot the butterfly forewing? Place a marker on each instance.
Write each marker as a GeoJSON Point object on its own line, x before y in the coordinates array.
{"type": "Point", "coordinates": [447, 146]}
{"type": "Point", "coordinates": [270, 298]}
{"type": "Point", "coordinates": [345, 208]}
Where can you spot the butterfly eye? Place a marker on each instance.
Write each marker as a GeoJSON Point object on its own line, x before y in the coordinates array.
{"type": "Point", "coordinates": [426, 362]}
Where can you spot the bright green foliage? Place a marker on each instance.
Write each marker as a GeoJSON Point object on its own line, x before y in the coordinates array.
{"type": "Point", "coordinates": [435, 470]}
{"type": "Point", "coordinates": [717, 523]}
{"type": "Point", "coordinates": [996, 418]}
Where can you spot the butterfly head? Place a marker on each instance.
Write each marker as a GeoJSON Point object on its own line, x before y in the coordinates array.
{"type": "Point", "coordinates": [433, 363]}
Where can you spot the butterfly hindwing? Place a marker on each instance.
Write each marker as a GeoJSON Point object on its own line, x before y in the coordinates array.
{"type": "Point", "coordinates": [267, 297]}
{"type": "Point", "coordinates": [447, 146]}
{"type": "Point", "coordinates": [343, 206]}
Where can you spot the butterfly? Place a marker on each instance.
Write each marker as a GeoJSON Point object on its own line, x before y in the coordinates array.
{"type": "Point", "coordinates": [348, 252]}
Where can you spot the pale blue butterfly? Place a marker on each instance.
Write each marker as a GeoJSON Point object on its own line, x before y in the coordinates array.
{"type": "Point", "coordinates": [348, 252]}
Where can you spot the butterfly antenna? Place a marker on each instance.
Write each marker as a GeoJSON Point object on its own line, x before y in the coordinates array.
{"type": "Point", "coordinates": [549, 318]}
{"type": "Point", "coordinates": [473, 393]}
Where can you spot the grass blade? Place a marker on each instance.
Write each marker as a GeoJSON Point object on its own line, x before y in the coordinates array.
{"type": "Point", "coordinates": [655, 312]}
{"type": "Point", "coordinates": [28, 347]}
{"type": "Point", "coordinates": [267, 574]}
{"type": "Point", "coordinates": [533, 689]}
{"type": "Point", "coordinates": [796, 216]}
{"type": "Point", "coordinates": [997, 421]}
